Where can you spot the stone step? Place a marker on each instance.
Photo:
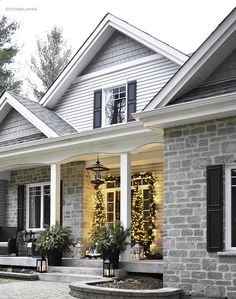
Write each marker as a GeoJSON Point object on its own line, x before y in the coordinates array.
{"type": "Point", "coordinates": [76, 270]}
{"type": "Point", "coordinates": [74, 262]}
{"type": "Point", "coordinates": [67, 277]}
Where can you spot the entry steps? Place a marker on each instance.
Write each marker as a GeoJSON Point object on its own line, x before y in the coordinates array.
{"type": "Point", "coordinates": [71, 274]}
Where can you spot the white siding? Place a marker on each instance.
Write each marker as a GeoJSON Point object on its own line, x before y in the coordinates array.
{"type": "Point", "coordinates": [76, 105]}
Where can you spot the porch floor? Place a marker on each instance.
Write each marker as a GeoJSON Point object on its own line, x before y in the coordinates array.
{"type": "Point", "coordinates": [143, 266]}
{"type": "Point", "coordinates": [18, 261]}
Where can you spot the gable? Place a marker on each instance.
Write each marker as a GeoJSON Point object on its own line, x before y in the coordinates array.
{"type": "Point", "coordinates": [118, 49]}
{"type": "Point", "coordinates": [221, 81]}
{"type": "Point", "coordinates": [225, 71]}
{"type": "Point", "coordinates": [17, 129]}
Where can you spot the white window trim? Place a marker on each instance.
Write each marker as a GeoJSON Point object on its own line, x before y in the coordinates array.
{"type": "Point", "coordinates": [228, 199]}
{"type": "Point", "coordinates": [42, 205]}
{"type": "Point", "coordinates": [108, 87]}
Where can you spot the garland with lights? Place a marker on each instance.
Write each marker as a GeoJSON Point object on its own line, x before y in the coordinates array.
{"type": "Point", "coordinates": [145, 239]}
{"type": "Point", "coordinates": [99, 216]}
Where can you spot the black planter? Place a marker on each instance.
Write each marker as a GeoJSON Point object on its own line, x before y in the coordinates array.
{"type": "Point", "coordinates": [54, 258]}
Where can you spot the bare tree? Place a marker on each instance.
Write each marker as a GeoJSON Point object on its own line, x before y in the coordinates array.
{"type": "Point", "coordinates": [53, 55]}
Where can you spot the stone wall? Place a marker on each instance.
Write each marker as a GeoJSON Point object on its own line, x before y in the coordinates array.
{"type": "Point", "coordinates": [3, 190]}
{"type": "Point", "coordinates": [72, 175]}
{"type": "Point", "coordinates": [187, 264]}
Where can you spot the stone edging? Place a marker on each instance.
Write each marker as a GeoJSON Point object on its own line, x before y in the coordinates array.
{"type": "Point", "coordinates": [25, 276]}
{"type": "Point", "coordinates": [89, 290]}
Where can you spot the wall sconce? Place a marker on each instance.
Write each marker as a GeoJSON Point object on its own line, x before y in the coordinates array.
{"type": "Point", "coordinates": [95, 172]}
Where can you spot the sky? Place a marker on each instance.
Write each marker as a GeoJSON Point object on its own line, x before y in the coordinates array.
{"type": "Point", "coordinates": [183, 24]}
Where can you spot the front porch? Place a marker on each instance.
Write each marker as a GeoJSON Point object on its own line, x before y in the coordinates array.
{"type": "Point", "coordinates": [57, 188]}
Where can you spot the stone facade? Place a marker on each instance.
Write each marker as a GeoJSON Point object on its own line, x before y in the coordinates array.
{"type": "Point", "coordinates": [77, 195]}
{"type": "Point", "coordinates": [187, 264]}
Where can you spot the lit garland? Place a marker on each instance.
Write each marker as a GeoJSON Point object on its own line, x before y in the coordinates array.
{"type": "Point", "coordinates": [147, 178]}
{"type": "Point", "coordinates": [99, 216]}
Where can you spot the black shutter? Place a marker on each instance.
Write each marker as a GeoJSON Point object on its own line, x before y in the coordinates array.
{"type": "Point", "coordinates": [215, 208]}
{"type": "Point", "coordinates": [61, 203]}
{"type": "Point", "coordinates": [131, 103]}
{"type": "Point", "coordinates": [20, 207]}
{"type": "Point", "coordinates": [97, 109]}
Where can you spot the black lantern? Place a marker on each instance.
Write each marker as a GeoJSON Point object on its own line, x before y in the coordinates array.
{"type": "Point", "coordinates": [95, 172]}
{"type": "Point", "coordinates": [108, 268]}
{"type": "Point", "coordinates": [41, 264]}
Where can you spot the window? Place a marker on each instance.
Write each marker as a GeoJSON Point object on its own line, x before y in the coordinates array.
{"type": "Point", "coordinates": [115, 105]}
{"type": "Point", "coordinates": [231, 208]}
{"type": "Point", "coordinates": [37, 206]}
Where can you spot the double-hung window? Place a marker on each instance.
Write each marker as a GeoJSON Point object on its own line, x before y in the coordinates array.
{"type": "Point", "coordinates": [114, 105]}
{"type": "Point", "coordinates": [37, 206]}
{"type": "Point", "coordinates": [230, 215]}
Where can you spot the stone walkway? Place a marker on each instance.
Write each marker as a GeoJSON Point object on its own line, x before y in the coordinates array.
{"type": "Point", "coordinates": [35, 290]}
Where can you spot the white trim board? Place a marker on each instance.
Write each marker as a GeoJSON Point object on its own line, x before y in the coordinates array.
{"type": "Point", "coordinates": [94, 43]}
{"type": "Point", "coordinates": [189, 112]}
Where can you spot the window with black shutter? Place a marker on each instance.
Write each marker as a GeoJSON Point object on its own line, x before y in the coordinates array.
{"type": "Point", "coordinates": [97, 112]}
{"type": "Point", "coordinates": [20, 207]}
{"type": "Point", "coordinates": [214, 208]}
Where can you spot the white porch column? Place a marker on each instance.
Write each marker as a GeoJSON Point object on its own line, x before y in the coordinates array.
{"type": "Point", "coordinates": [55, 194]}
{"type": "Point", "coordinates": [125, 204]}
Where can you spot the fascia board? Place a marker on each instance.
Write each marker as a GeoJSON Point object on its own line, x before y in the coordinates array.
{"type": "Point", "coordinates": [190, 112]}
{"type": "Point", "coordinates": [194, 63]}
{"type": "Point", "coordinates": [110, 21]}
{"type": "Point", "coordinates": [40, 125]}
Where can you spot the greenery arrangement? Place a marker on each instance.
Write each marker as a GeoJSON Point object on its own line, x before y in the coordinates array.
{"type": "Point", "coordinates": [110, 238]}
{"type": "Point", "coordinates": [55, 238]}
{"type": "Point", "coordinates": [99, 216]}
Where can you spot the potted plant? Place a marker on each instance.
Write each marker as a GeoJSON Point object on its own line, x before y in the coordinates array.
{"type": "Point", "coordinates": [53, 242]}
{"type": "Point", "coordinates": [110, 241]}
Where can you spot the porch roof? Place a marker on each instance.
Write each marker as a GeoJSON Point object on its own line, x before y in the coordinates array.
{"type": "Point", "coordinates": [117, 139]}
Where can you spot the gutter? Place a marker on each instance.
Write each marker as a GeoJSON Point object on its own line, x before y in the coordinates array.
{"type": "Point", "coordinates": [189, 112]}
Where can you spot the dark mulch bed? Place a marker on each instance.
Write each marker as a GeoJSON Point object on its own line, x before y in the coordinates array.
{"type": "Point", "coordinates": [134, 283]}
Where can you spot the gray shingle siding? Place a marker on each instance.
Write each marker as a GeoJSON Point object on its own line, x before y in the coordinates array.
{"type": "Point", "coordinates": [50, 118]}
{"type": "Point", "coordinates": [17, 129]}
{"type": "Point", "coordinates": [118, 49]}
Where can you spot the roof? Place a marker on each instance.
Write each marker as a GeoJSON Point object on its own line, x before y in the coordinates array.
{"type": "Point", "coordinates": [207, 91]}
{"type": "Point", "coordinates": [94, 43]}
{"type": "Point", "coordinates": [47, 121]}
{"type": "Point", "coordinates": [200, 65]}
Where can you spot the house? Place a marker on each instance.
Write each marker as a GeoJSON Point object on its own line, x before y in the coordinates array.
{"type": "Point", "coordinates": [46, 146]}
{"type": "Point", "coordinates": [143, 107]}
{"type": "Point", "coordinates": [197, 111]}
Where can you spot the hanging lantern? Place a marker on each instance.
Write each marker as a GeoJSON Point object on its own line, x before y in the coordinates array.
{"type": "Point", "coordinates": [108, 268]}
{"type": "Point", "coordinates": [95, 173]}
{"type": "Point", "coordinates": [41, 264]}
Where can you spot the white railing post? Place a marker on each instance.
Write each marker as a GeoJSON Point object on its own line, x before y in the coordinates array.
{"type": "Point", "coordinates": [55, 193]}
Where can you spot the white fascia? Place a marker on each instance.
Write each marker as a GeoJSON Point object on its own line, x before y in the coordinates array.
{"type": "Point", "coordinates": [98, 37]}
{"type": "Point", "coordinates": [194, 63]}
{"type": "Point", "coordinates": [8, 99]}
{"type": "Point", "coordinates": [189, 112]}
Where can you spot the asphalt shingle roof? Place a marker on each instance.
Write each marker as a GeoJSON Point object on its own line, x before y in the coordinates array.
{"type": "Point", "coordinates": [50, 118]}
{"type": "Point", "coordinates": [206, 91]}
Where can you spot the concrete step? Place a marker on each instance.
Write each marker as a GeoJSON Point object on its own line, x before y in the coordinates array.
{"type": "Point", "coordinates": [76, 270]}
{"type": "Point", "coordinates": [74, 262]}
{"type": "Point", "coordinates": [67, 277]}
